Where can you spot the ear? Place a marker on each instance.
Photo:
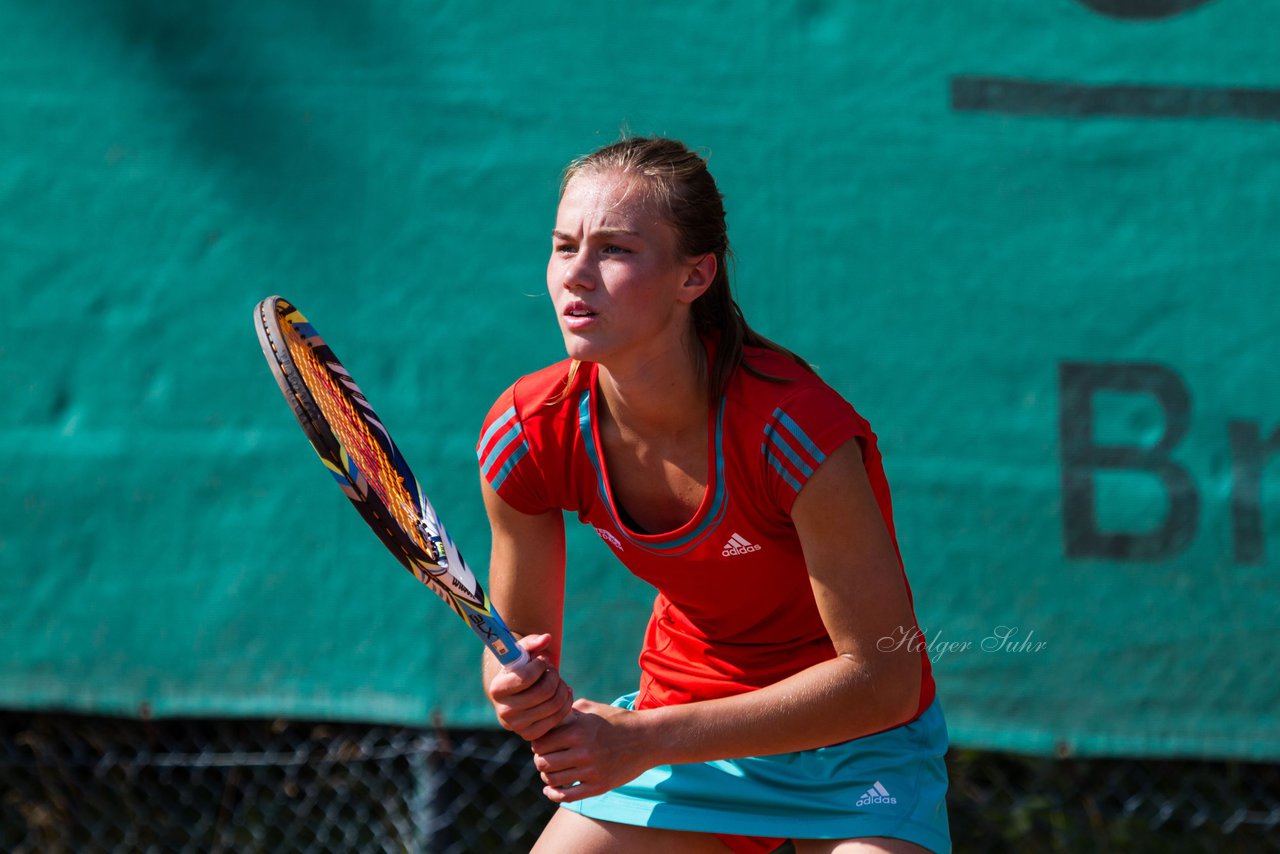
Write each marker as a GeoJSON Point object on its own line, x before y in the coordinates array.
{"type": "Point", "coordinates": [701, 274]}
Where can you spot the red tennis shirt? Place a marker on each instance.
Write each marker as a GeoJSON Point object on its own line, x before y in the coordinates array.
{"type": "Point", "coordinates": [735, 610]}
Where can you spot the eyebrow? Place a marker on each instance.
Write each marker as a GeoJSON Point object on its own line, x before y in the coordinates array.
{"type": "Point", "coordinates": [603, 232]}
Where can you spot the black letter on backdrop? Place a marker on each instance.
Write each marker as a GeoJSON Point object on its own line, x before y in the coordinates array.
{"type": "Point", "coordinates": [1142, 9]}
{"type": "Point", "coordinates": [1248, 456]}
{"type": "Point", "coordinates": [1081, 457]}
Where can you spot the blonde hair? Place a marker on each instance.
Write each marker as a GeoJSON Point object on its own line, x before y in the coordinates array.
{"type": "Point", "coordinates": [676, 180]}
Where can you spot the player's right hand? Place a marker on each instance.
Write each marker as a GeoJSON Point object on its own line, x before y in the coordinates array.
{"type": "Point", "coordinates": [532, 700]}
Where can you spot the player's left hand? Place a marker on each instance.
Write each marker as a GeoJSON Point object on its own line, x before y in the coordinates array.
{"type": "Point", "coordinates": [596, 749]}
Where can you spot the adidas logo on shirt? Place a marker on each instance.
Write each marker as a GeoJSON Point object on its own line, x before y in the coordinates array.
{"type": "Point", "coordinates": [738, 545]}
{"type": "Point", "coordinates": [609, 538]}
{"type": "Point", "coordinates": [877, 794]}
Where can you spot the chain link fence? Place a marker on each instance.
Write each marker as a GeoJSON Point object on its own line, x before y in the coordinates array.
{"type": "Point", "coordinates": [87, 784]}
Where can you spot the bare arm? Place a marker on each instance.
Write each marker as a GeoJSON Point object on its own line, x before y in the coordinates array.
{"type": "Point", "coordinates": [526, 583]}
{"type": "Point", "coordinates": [857, 582]}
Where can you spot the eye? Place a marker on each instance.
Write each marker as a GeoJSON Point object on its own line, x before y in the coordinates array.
{"type": "Point", "coordinates": [615, 249]}
{"type": "Point", "coordinates": [563, 248]}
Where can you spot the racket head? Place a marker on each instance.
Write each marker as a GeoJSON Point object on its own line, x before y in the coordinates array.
{"type": "Point", "coordinates": [349, 438]}
{"type": "Point", "coordinates": [360, 455]}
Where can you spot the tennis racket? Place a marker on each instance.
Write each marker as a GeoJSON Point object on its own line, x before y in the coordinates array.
{"type": "Point", "coordinates": [366, 464]}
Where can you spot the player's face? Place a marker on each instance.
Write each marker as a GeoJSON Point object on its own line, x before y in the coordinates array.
{"type": "Point", "coordinates": [620, 289]}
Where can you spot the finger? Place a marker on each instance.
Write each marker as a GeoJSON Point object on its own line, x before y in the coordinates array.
{"type": "Point", "coordinates": [557, 708]}
{"type": "Point", "coordinates": [537, 721]}
{"type": "Point", "coordinates": [508, 683]}
{"type": "Point", "coordinates": [535, 645]}
{"type": "Point", "coordinates": [587, 706]}
{"type": "Point", "coordinates": [563, 779]}
{"type": "Point", "coordinates": [561, 696]}
{"type": "Point", "coordinates": [530, 726]}
{"type": "Point", "coordinates": [535, 730]}
{"type": "Point", "coordinates": [561, 737]}
{"type": "Point", "coordinates": [562, 760]}
{"type": "Point", "coordinates": [519, 695]}
{"type": "Point", "coordinates": [569, 794]}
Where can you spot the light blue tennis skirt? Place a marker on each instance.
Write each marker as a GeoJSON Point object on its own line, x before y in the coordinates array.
{"type": "Point", "coordinates": [891, 784]}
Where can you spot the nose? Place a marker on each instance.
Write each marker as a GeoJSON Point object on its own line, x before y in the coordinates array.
{"type": "Point", "coordinates": [576, 273]}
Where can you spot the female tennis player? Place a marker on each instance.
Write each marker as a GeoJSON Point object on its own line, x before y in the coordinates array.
{"type": "Point", "coordinates": [775, 700]}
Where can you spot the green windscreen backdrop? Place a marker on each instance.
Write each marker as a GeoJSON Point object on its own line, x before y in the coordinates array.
{"type": "Point", "coordinates": [1036, 244]}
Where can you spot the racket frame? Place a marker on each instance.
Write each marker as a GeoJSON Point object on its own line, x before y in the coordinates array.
{"type": "Point", "coordinates": [439, 565]}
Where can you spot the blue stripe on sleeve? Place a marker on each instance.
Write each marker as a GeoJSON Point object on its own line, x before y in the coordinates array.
{"type": "Point", "coordinates": [780, 443]}
{"type": "Point", "coordinates": [501, 475]}
{"type": "Point", "coordinates": [516, 433]}
{"type": "Point", "coordinates": [795, 430]}
{"type": "Point", "coordinates": [498, 424]}
{"type": "Point", "coordinates": [777, 464]}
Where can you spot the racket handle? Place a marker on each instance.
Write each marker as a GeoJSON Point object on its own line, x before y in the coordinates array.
{"type": "Point", "coordinates": [490, 628]}
{"type": "Point", "coordinates": [519, 663]}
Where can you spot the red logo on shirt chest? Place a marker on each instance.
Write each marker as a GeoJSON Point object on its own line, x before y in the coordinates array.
{"type": "Point", "coordinates": [609, 538]}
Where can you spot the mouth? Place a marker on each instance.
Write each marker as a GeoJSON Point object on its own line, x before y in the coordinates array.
{"type": "Point", "coordinates": [578, 310]}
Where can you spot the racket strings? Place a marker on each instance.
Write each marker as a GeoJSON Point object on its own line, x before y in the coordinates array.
{"type": "Point", "coordinates": [356, 439]}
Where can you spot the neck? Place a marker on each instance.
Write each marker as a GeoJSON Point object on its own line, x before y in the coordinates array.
{"type": "Point", "coordinates": [666, 394]}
